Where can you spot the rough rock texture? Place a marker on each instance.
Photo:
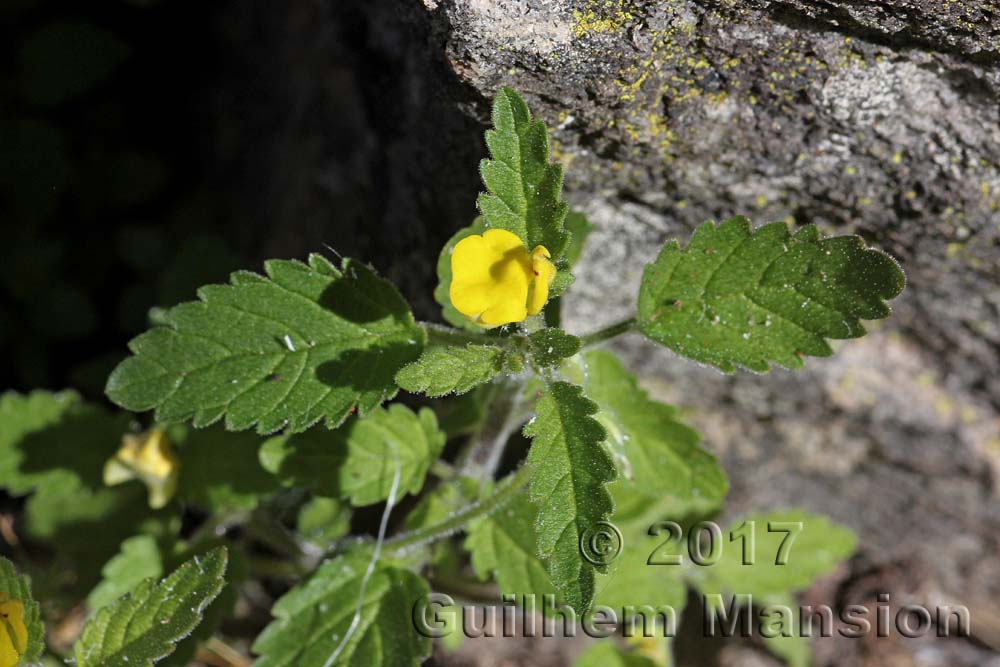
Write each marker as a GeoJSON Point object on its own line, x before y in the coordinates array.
{"type": "Point", "coordinates": [877, 118]}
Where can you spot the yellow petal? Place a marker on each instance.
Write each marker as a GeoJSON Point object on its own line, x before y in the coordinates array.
{"type": "Point", "coordinates": [543, 272]}
{"type": "Point", "coordinates": [490, 278]}
{"type": "Point", "coordinates": [9, 656]}
{"type": "Point", "coordinates": [13, 632]}
{"type": "Point", "coordinates": [150, 457]}
{"type": "Point", "coordinates": [156, 457]}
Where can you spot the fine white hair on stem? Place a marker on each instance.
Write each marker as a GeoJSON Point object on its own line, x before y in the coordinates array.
{"type": "Point", "coordinates": [376, 553]}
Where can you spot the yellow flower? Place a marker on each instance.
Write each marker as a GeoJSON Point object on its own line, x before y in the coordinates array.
{"type": "Point", "coordinates": [149, 457]}
{"type": "Point", "coordinates": [495, 281]}
{"type": "Point", "coordinates": [13, 631]}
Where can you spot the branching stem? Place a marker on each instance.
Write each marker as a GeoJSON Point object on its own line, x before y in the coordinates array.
{"type": "Point", "coordinates": [506, 490]}
{"type": "Point", "coordinates": [608, 332]}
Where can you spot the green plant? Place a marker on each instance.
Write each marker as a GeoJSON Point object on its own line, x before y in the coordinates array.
{"type": "Point", "coordinates": [611, 487]}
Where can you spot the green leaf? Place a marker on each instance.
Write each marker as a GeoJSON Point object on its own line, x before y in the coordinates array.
{"type": "Point", "coordinates": [220, 608]}
{"type": "Point", "coordinates": [550, 346]}
{"type": "Point", "coordinates": [812, 552]}
{"type": "Point", "coordinates": [735, 296]}
{"type": "Point", "coordinates": [442, 501]}
{"type": "Point", "coordinates": [138, 560]}
{"type": "Point", "coordinates": [323, 520]}
{"type": "Point", "coordinates": [358, 461]}
{"type": "Point", "coordinates": [14, 586]}
{"type": "Point", "coordinates": [659, 455]}
{"type": "Point", "coordinates": [562, 282]}
{"type": "Point", "coordinates": [54, 438]}
{"type": "Point", "coordinates": [579, 229]}
{"type": "Point", "coordinates": [313, 618]}
{"type": "Point", "coordinates": [632, 582]}
{"type": "Point", "coordinates": [144, 626]}
{"type": "Point", "coordinates": [571, 471]}
{"type": "Point", "coordinates": [795, 650]}
{"type": "Point", "coordinates": [524, 187]}
{"type": "Point", "coordinates": [503, 547]}
{"type": "Point", "coordinates": [447, 369]}
{"type": "Point", "coordinates": [55, 445]}
{"type": "Point", "coordinates": [220, 471]}
{"type": "Point", "coordinates": [307, 343]}
{"type": "Point", "coordinates": [607, 654]}
{"type": "Point", "coordinates": [84, 526]}
{"type": "Point", "coordinates": [442, 291]}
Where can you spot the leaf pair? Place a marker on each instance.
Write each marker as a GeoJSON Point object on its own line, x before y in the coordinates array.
{"type": "Point", "coordinates": [454, 369]}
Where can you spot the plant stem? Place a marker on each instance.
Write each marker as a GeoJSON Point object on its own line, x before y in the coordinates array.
{"type": "Point", "coordinates": [507, 489]}
{"type": "Point", "coordinates": [481, 459]}
{"type": "Point", "coordinates": [269, 531]}
{"type": "Point", "coordinates": [439, 333]}
{"type": "Point", "coordinates": [611, 331]}
{"type": "Point", "coordinates": [443, 470]}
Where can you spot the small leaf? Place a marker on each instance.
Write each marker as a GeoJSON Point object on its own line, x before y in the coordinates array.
{"type": "Point", "coordinates": [84, 526]}
{"type": "Point", "coordinates": [735, 296]}
{"type": "Point", "coordinates": [47, 437]}
{"type": "Point", "coordinates": [323, 520]}
{"type": "Point", "coordinates": [658, 455]}
{"type": "Point", "coordinates": [550, 346]}
{"type": "Point", "coordinates": [562, 282]}
{"type": "Point", "coordinates": [524, 187]}
{"type": "Point", "coordinates": [358, 461]}
{"type": "Point", "coordinates": [220, 471]}
{"type": "Point", "coordinates": [442, 291]}
{"type": "Point", "coordinates": [571, 471]}
{"type": "Point", "coordinates": [812, 552]}
{"type": "Point", "coordinates": [144, 626]}
{"type": "Point", "coordinates": [19, 608]}
{"type": "Point", "coordinates": [309, 342]}
{"type": "Point", "coordinates": [447, 369]}
{"type": "Point", "coordinates": [312, 619]}
{"type": "Point", "coordinates": [138, 560]}
{"type": "Point", "coordinates": [443, 500]}
{"type": "Point", "coordinates": [503, 547]}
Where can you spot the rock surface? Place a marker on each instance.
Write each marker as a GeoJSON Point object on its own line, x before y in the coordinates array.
{"type": "Point", "coordinates": [875, 118]}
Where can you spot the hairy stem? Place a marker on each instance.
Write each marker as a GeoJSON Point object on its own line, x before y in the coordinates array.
{"type": "Point", "coordinates": [441, 334]}
{"type": "Point", "coordinates": [608, 332]}
{"type": "Point", "coordinates": [507, 489]}
{"type": "Point", "coordinates": [443, 470]}
{"type": "Point", "coordinates": [505, 416]}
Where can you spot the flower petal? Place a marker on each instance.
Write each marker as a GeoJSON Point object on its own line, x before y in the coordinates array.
{"type": "Point", "coordinates": [12, 628]}
{"type": "Point", "coordinates": [543, 272]}
{"type": "Point", "coordinates": [490, 278]}
{"type": "Point", "coordinates": [9, 655]}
